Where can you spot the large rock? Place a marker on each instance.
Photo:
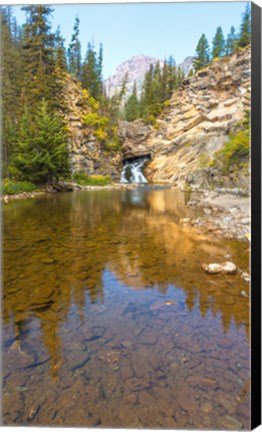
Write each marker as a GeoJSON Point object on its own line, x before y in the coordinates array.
{"type": "Point", "coordinates": [134, 137]}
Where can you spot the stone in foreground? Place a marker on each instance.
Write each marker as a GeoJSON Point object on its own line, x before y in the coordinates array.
{"type": "Point", "coordinates": [214, 268]}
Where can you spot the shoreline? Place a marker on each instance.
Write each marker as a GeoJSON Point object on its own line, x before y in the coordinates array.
{"type": "Point", "coordinates": [225, 213]}
{"type": "Point", "coordinates": [64, 187]}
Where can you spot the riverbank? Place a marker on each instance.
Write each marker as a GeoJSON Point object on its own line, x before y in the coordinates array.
{"type": "Point", "coordinates": [64, 187]}
{"type": "Point", "coordinates": [225, 213]}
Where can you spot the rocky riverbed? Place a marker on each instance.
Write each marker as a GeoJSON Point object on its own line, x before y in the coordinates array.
{"type": "Point", "coordinates": [225, 213]}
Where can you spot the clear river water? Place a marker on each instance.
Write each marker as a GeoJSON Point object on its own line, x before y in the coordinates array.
{"type": "Point", "coordinates": [110, 321]}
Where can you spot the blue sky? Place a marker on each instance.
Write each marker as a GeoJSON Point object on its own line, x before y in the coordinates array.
{"type": "Point", "coordinates": [156, 30]}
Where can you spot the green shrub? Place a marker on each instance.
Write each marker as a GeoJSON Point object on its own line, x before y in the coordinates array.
{"type": "Point", "coordinates": [167, 103]}
{"type": "Point", "coordinates": [236, 150]}
{"type": "Point", "coordinates": [10, 187]}
{"type": "Point", "coordinates": [100, 134]}
{"type": "Point", "coordinates": [150, 119]}
{"type": "Point", "coordinates": [112, 145]}
{"type": "Point", "coordinates": [83, 179]}
{"type": "Point", "coordinates": [94, 119]}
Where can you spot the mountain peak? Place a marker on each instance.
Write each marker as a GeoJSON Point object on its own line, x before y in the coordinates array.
{"type": "Point", "coordinates": [136, 67]}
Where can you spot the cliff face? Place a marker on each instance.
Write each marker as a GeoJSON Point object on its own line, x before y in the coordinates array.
{"type": "Point", "coordinates": [201, 115]}
{"type": "Point", "coordinates": [86, 151]}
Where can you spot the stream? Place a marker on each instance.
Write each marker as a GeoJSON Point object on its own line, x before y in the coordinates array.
{"type": "Point", "coordinates": [110, 321]}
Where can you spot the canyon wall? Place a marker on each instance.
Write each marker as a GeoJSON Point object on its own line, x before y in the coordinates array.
{"type": "Point", "coordinates": [196, 124]}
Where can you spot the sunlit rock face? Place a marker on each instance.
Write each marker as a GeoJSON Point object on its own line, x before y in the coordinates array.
{"type": "Point", "coordinates": [135, 137]}
{"type": "Point", "coordinates": [201, 115]}
{"type": "Point", "coordinates": [86, 151]}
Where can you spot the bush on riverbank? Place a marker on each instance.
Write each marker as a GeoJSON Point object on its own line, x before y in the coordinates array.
{"type": "Point", "coordinates": [235, 151]}
{"type": "Point", "coordinates": [84, 179]}
{"type": "Point", "coordinates": [11, 187]}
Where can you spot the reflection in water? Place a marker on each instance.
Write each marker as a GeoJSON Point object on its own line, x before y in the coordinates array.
{"type": "Point", "coordinates": [109, 319]}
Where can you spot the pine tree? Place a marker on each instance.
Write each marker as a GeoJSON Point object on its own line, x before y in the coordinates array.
{"type": "Point", "coordinates": [132, 106]}
{"type": "Point", "coordinates": [40, 80]}
{"type": "Point", "coordinates": [74, 52]}
{"type": "Point", "coordinates": [41, 154]}
{"type": "Point", "coordinates": [60, 54]}
{"type": "Point", "coordinates": [11, 74]}
{"type": "Point", "coordinates": [231, 41]}
{"type": "Point", "coordinates": [245, 28]}
{"type": "Point", "coordinates": [92, 71]}
{"type": "Point", "coordinates": [146, 97]}
{"type": "Point", "coordinates": [180, 76]}
{"type": "Point", "coordinates": [218, 43]}
{"type": "Point", "coordinates": [202, 58]}
{"type": "Point", "coordinates": [171, 80]}
{"type": "Point", "coordinates": [164, 82]}
{"type": "Point", "coordinates": [111, 105]}
{"type": "Point", "coordinates": [99, 66]}
{"type": "Point", "coordinates": [158, 86]}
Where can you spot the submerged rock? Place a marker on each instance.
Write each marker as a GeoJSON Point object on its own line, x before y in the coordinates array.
{"type": "Point", "coordinates": [245, 276]}
{"type": "Point", "coordinates": [212, 268]}
{"type": "Point", "coordinates": [206, 407]}
{"type": "Point", "coordinates": [226, 268]}
{"type": "Point", "coordinates": [229, 422]}
{"type": "Point", "coordinates": [229, 267]}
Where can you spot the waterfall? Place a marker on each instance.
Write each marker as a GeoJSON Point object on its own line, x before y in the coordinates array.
{"type": "Point", "coordinates": [132, 171]}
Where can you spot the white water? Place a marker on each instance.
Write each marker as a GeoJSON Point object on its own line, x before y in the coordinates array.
{"type": "Point", "coordinates": [132, 171]}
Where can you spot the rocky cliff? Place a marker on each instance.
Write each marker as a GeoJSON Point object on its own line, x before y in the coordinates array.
{"type": "Point", "coordinates": [86, 150]}
{"type": "Point", "coordinates": [201, 115]}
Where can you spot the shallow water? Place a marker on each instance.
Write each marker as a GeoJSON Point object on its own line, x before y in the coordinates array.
{"type": "Point", "coordinates": [110, 321]}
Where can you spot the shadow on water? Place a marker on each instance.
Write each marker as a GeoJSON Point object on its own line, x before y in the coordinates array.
{"type": "Point", "coordinates": [109, 319]}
